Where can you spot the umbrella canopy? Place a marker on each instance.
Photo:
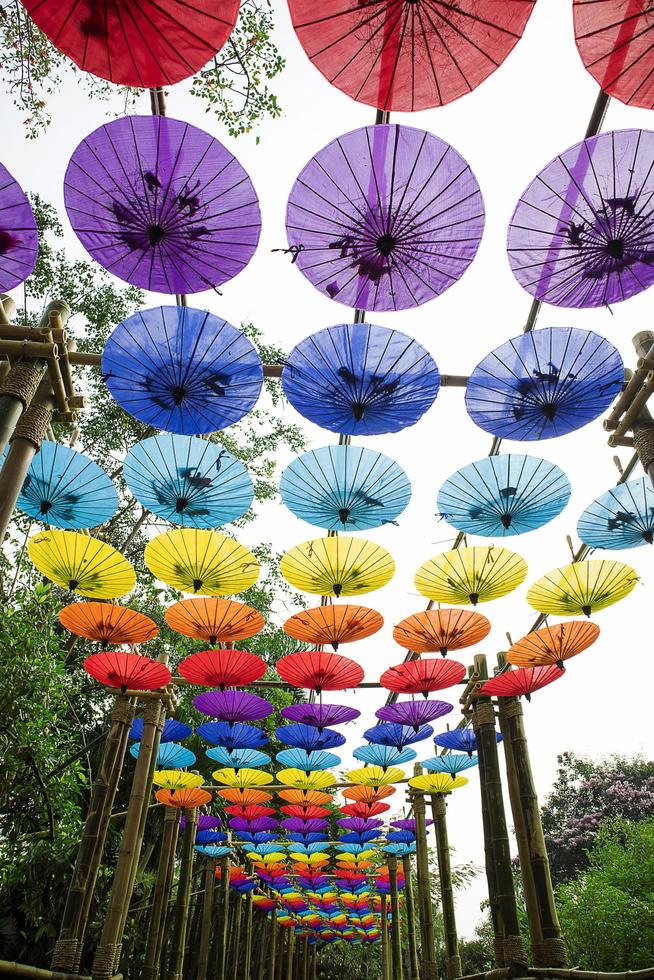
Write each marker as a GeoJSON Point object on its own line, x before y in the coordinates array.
{"type": "Point", "coordinates": [188, 481]}
{"type": "Point", "coordinates": [308, 761]}
{"type": "Point", "coordinates": [452, 763]}
{"type": "Point", "coordinates": [127, 671]}
{"type": "Point", "coordinates": [143, 45]}
{"type": "Point", "coordinates": [553, 644]}
{"type": "Point", "coordinates": [360, 379]}
{"type": "Point", "coordinates": [304, 797]}
{"type": "Point", "coordinates": [363, 809]}
{"type": "Point", "coordinates": [477, 574]}
{"type": "Point", "coordinates": [66, 489]}
{"type": "Point", "coordinates": [162, 205]}
{"type": "Point", "coordinates": [245, 796]}
{"type": "Point", "coordinates": [413, 713]}
{"type": "Point", "coordinates": [309, 737]}
{"type": "Point", "coordinates": [582, 587]}
{"type": "Point", "coordinates": [82, 564]}
{"type": "Point", "coordinates": [441, 630]}
{"type": "Point", "coordinates": [404, 57]}
{"type": "Point", "coordinates": [422, 676]}
{"type": "Point", "coordinates": [461, 740]}
{"type": "Point", "coordinates": [383, 755]}
{"type": "Point", "coordinates": [222, 668]}
{"type": "Point", "coordinates": [345, 488]}
{"type": "Point", "coordinates": [170, 755]}
{"type": "Point", "coordinates": [386, 217]}
{"type": "Point", "coordinates": [337, 566]}
{"type": "Point", "coordinates": [19, 240]}
{"type": "Point", "coordinates": [304, 780]}
{"type": "Point", "coordinates": [375, 776]}
{"type": "Point", "coordinates": [320, 671]}
{"type": "Point", "coordinates": [544, 383]}
{"type": "Point", "coordinates": [242, 778]}
{"type": "Point", "coordinates": [614, 39]}
{"type": "Point", "coordinates": [523, 681]}
{"type": "Point", "coordinates": [333, 624]}
{"type": "Point", "coordinates": [233, 705]}
{"type": "Point", "coordinates": [214, 620]}
{"type": "Point", "coordinates": [201, 561]}
{"type": "Point", "coordinates": [582, 233]}
{"type": "Point", "coordinates": [437, 782]}
{"type": "Point", "coordinates": [621, 518]}
{"type": "Point", "coordinates": [319, 715]}
{"type": "Point", "coordinates": [232, 735]}
{"type": "Point", "coordinates": [107, 624]}
{"type": "Point", "coordinates": [392, 733]}
{"type": "Point", "coordinates": [499, 496]}
{"type": "Point", "coordinates": [173, 779]}
{"type": "Point", "coordinates": [183, 370]}
{"type": "Point", "coordinates": [183, 799]}
{"type": "Point", "coordinates": [173, 730]}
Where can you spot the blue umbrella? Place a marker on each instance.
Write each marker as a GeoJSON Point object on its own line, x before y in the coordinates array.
{"type": "Point", "coordinates": [351, 848]}
{"type": "Point", "coordinates": [383, 755]}
{"type": "Point", "coordinates": [392, 733]}
{"type": "Point", "coordinates": [210, 837]}
{"type": "Point", "coordinates": [359, 379]}
{"type": "Point", "coordinates": [309, 738]}
{"type": "Point", "coordinates": [544, 383]}
{"type": "Point", "coordinates": [345, 488]}
{"type": "Point", "coordinates": [170, 755]}
{"type": "Point", "coordinates": [307, 761]}
{"type": "Point", "coordinates": [401, 836]}
{"type": "Point", "coordinates": [213, 850]}
{"type": "Point", "coordinates": [399, 849]}
{"type": "Point", "coordinates": [314, 848]}
{"type": "Point", "coordinates": [239, 758]}
{"type": "Point", "coordinates": [504, 495]}
{"type": "Point", "coordinates": [360, 837]}
{"type": "Point", "coordinates": [262, 848]}
{"type": "Point", "coordinates": [311, 838]}
{"type": "Point", "coordinates": [173, 730]}
{"type": "Point", "coordinates": [259, 838]}
{"type": "Point", "coordinates": [453, 763]}
{"type": "Point", "coordinates": [236, 735]}
{"type": "Point", "coordinates": [66, 489]}
{"type": "Point", "coordinates": [460, 740]}
{"type": "Point", "coordinates": [182, 370]}
{"type": "Point", "coordinates": [621, 518]}
{"type": "Point", "coordinates": [188, 480]}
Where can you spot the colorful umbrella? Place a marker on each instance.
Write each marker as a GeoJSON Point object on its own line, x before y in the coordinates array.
{"type": "Point", "coordinates": [503, 495]}
{"type": "Point", "coordinates": [173, 730]}
{"type": "Point", "coordinates": [345, 488]}
{"type": "Point", "coordinates": [184, 799]}
{"type": "Point", "coordinates": [143, 45]}
{"type": "Point", "coordinates": [19, 240]}
{"type": "Point", "coordinates": [222, 668]}
{"type": "Point", "coordinates": [404, 57]}
{"type": "Point", "coordinates": [307, 761]}
{"type": "Point", "coordinates": [201, 561]}
{"type": "Point", "coordinates": [173, 779]}
{"type": "Point", "coordinates": [614, 38]}
{"type": "Point", "coordinates": [437, 782]}
{"type": "Point", "coordinates": [309, 737]}
{"type": "Point", "coordinates": [544, 383]}
{"type": "Point", "coordinates": [621, 518]}
{"type": "Point", "coordinates": [477, 574]}
{"type": "Point", "coordinates": [183, 370]}
{"type": "Point", "coordinates": [303, 780]}
{"type": "Point", "coordinates": [375, 776]}
{"type": "Point", "coordinates": [337, 566]}
{"type": "Point", "coordinates": [461, 740]}
{"type": "Point", "coordinates": [304, 797]}
{"type": "Point", "coordinates": [214, 620]}
{"type": "Point", "coordinates": [188, 481]}
{"type": "Point", "coordinates": [452, 763]}
{"type": "Point", "coordinates": [320, 671]}
{"type": "Point", "coordinates": [245, 796]}
{"type": "Point", "coordinates": [392, 733]}
{"type": "Point", "coordinates": [363, 809]}
{"type": "Point", "coordinates": [64, 488]}
{"type": "Point", "coordinates": [318, 714]}
{"type": "Point", "coordinates": [422, 676]}
{"type": "Point", "coordinates": [238, 758]}
{"type": "Point", "coordinates": [170, 755]}
{"type": "Point", "coordinates": [383, 755]}
{"type": "Point", "coordinates": [523, 681]}
{"type": "Point", "coordinates": [232, 735]}
{"type": "Point", "coordinates": [107, 624]}
{"type": "Point", "coordinates": [243, 778]}
{"type": "Point", "coordinates": [82, 564]}
{"type": "Point", "coordinates": [233, 705]}
{"type": "Point", "coordinates": [333, 624]}
{"type": "Point", "coordinates": [553, 644]}
{"type": "Point", "coordinates": [413, 713]}
{"type": "Point", "coordinates": [127, 671]}
{"type": "Point", "coordinates": [360, 379]}
{"type": "Point", "coordinates": [386, 217]}
{"type": "Point", "coordinates": [582, 587]}
{"type": "Point", "coordinates": [162, 204]}
{"type": "Point", "coordinates": [582, 234]}
{"type": "Point", "coordinates": [441, 630]}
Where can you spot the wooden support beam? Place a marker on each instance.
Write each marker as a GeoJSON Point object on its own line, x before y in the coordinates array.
{"type": "Point", "coordinates": [183, 897]}
{"type": "Point", "coordinates": [409, 907]}
{"type": "Point", "coordinates": [161, 894]}
{"type": "Point", "coordinates": [438, 809]}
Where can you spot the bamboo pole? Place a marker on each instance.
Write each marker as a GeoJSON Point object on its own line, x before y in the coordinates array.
{"type": "Point", "coordinates": [207, 918]}
{"type": "Point", "coordinates": [314, 961]}
{"type": "Point", "coordinates": [279, 964]}
{"type": "Point", "coordinates": [161, 893]}
{"type": "Point", "coordinates": [68, 948]}
{"type": "Point", "coordinates": [386, 973]}
{"type": "Point", "coordinates": [306, 957]}
{"type": "Point", "coordinates": [425, 912]}
{"type": "Point", "coordinates": [236, 934]}
{"type": "Point", "coordinates": [247, 958]}
{"type": "Point", "coordinates": [289, 953]}
{"type": "Point", "coordinates": [266, 933]}
{"type": "Point", "coordinates": [438, 809]}
{"type": "Point", "coordinates": [414, 970]}
{"type": "Point", "coordinates": [182, 899]}
{"type": "Point", "coordinates": [223, 932]}
{"type": "Point", "coordinates": [396, 937]}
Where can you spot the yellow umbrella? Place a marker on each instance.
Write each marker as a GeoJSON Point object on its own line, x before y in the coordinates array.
{"type": "Point", "coordinates": [437, 782]}
{"type": "Point", "coordinates": [318, 858]}
{"type": "Point", "coordinates": [375, 776]}
{"type": "Point", "coordinates": [203, 562]}
{"type": "Point", "coordinates": [275, 857]}
{"type": "Point", "coordinates": [582, 587]}
{"type": "Point", "coordinates": [175, 779]}
{"type": "Point", "coordinates": [306, 780]}
{"type": "Point", "coordinates": [471, 575]}
{"type": "Point", "coordinates": [82, 564]}
{"type": "Point", "coordinates": [337, 566]}
{"type": "Point", "coordinates": [242, 777]}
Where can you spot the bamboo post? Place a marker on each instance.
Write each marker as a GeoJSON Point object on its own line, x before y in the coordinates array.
{"type": "Point", "coordinates": [425, 912]}
{"type": "Point", "coordinates": [236, 934]}
{"type": "Point", "coordinates": [314, 961]}
{"type": "Point", "coordinates": [247, 957]}
{"type": "Point", "coordinates": [265, 938]}
{"type": "Point", "coordinates": [306, 957]}
{"type": "Point", "coordinates": [409, 907]}
{"type": "Point", "coordinates": [483, 721]}
{"type": "Point", "coordinates": [182, 899]}
{"type": "Point", "coordinates": [270, 972]}
{"type": "Point", "coordinates": [207, 918]}
{"type": "Point", "coordinates": [297, 959]}
{"type": "Point", "coordinates": [438, 809]}
{"type": "Point", "coordinates": [385, 974]}
{"type": "Point", "coordinates": [107, 953]}
{"type": "Point", "coordinates": [279, 965]}
{"type": "Point", "coordinates": [161, 893]}
{"type": "Point", "coordinates": [289, 953]}
{"type": "Point", "coordinates": [223, 932]}
{"type": "Point", "coordinates": [70, 943]}
{"type": "Point", "coordinates": [396, 937]}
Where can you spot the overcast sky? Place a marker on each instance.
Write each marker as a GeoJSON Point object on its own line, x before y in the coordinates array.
{"type": "Point", "coordinates": [535, 106]}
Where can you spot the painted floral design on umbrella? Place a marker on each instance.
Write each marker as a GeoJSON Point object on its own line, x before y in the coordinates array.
{"type": "Point", "coordinates": [615, 39]}
{"type": "Point", "coordinates": [222, 668]}
{"type": "Point", "coordinates": [522, 682]}
{"type": "Point", "coordinates": [232, 734]}
{"type": "Point", "coordinates": [422, 676]}
{"type": "Point", "coordinates": [204, 562]}
{"type": "Point", "coordinates": [413, 713]}
{"type": "Point", "coordinates": [553, 644]}
{"type": "Point", "coordinates": [214, 619]}
{"type": "Point", "coordinates": [309, 737]}
{"type": "Point", "coordinates": [582, 587]}
{"type": "Point", "coordinates": [337, 566]}
{"type": "Point", "coordinates": [621, 518]}
{"type": "Point", "coordinates": [162, 205]}
{"type": "Point", "coordinates": [319, 715]}
{"type": "Point", "coordinates": [333, 625]}
{"type": "Point", "coordinates": [385, 218]}
{"type": "Point", "coordinates": [19, 240]}
{"type": "Point", "coordinates": [320, 671]}
{"type": "Point", "coordinates": [441, 630]}
{"type": "Point", "coordinates": [127, 670]}
{"type": "Point", "coordinates": [107, 624]}
{"type": "Point", "coordinates": [471, 575]}
{"type": "Point", "coordinates": [582, 234]}
{"type": "Point", "coordinates": [82, 564]}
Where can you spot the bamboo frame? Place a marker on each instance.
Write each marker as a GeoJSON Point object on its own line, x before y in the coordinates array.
{"type": "Point", "coordinates": [439, 811]}
{"type": "Point", "coordinates": [425, 913]}
{"type": "Point", "coordinates": [207, 920]}
{"type": "Point", "coordinates": [270, 972]}
{"type": "Point", "coordinates": [409, 907]}
{"type": "Point", "coordinates": [223, 933]}
{"type": "Point", "coordinates": [386, 973]}
{"type": "Point", "coordinates": [396, 935]}
{"type": "Point", "coordinates": [247, 964]}
{"type": "Point", "coordinates": [183, 897]}
{"type": "Point", "coordinates": [161, 894]}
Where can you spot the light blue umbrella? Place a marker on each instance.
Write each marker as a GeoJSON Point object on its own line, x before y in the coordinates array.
{"type": "Point", "coordinates": [213, 850]}
{"type": "Point", "coordinates": [170, 755]}
{"type": "Point", "coordinates": [239, 758]}
{"type": "Point", "coordinates": [500, 496]}
{"type": "Point", "coordinates": [399, 849]}
{"type": "Point", "coordinates": [384, 755]}
{"type": "Point", "coordinates": [314, 848]}
{"type": "Point", "coordinates": [188, 481]}
{"type": "Point", "coordinates": [66, 489]}
{"type": "Point", "coordinates": [621, 518]}
{"type": "Point", "coordinates": [307, 761]}
{"type": "Point", "coordinates": [453, 763]}
{"type": "Point", "coordinates": [345, 488]}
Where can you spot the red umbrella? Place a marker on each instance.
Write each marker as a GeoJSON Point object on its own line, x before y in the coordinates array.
{"type": "Point", "coordinates": [222, 668]}
{"type": "Point", "coordinates": [305, 812]}
{"type": "Point", "coordinates": [145, 44]}
{"type": "Point", "coordinates": [615, 39]}
{"type": "Point", "coordinates": [364, 809]}
{"type": "Point", "coordinates": [320, 671]}
{"type": "Point", "coordinates": [422, 676]}
{"type": "Point", "coordinates": [127, 670]}
{"type": "Point", "coordinates": [250, 811]}
{"type": "Point", "coordinates": [405, 56]}
{"type": "Point", "coordinates": [523, 681]}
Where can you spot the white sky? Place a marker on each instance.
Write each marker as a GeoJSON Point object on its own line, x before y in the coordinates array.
{"type": "Point", "coordinates": [536, 105]}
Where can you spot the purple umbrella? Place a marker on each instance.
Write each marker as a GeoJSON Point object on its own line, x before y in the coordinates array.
{"type": "Point", "coordinates": [254, 825]}
{"type": "Point", "coordinates": [205, 822]}
{"type": "Point", "coordinates": [360, 823]}
{"type": "Point", "coordinates": [582, 234]}
{"type": "Point", "coordinates": [408, 823]}
{"type": "Point", "coordinates": [233, 705]}
{"type": "Point", "coordinates": [320, 715]}
{"type": "Point", "coordinates": [413, 713]}
{"type": "Point", "coordinates": [19, 241]}
{"type": "Point", "coordinates": [385, 218]}
{"type": "Point", "coordinates": [301, 826]}
{"type": "Point", "coordinates": [162, 204]}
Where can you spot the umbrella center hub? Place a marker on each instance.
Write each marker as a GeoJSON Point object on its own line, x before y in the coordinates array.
{"type": "Point", "coordinates": [615, 248]}
{"type": "Point", "coordinates": [385, 244]}
{"type": "Point", "coordinates": [181, 504]}
{"type": "Point", "coordinates": [179, 394]}
{"type": "Point", "coordinates": [156, 234]}
{"type": "Point", "coordinates": [45, 506]}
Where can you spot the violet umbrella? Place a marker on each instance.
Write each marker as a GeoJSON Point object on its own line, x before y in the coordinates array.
{"type": "Point", "coordinates": [413, 713]}
{"type": "Point", "coordinates": [233, 705]}
{"type": "Point", "coordinates": [385, 218]}
{"type": "Point", "coordinates": [162, 204]}
{"type": "Point", "coordinates": [582, 234]}
{"type": "Point", "coordinates": [19, 240]}
{"type": "Point", "coordinates": [319, 715]}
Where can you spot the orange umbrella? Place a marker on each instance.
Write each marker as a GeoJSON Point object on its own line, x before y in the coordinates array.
{"type": "Point", "coordinates": [305, 797]}
{"type": "Point", "coordinates": [333, 624]}
{"type": "Point", "coordinates": [183, 798]}
{"type": "Point", "coordinates": [245, 795]}
{"type": "Point", "coordinates": [368, 793]}
{"type": "Point", "coordinates": [213, 619]}
{"type": "Point", "coordinates": [553, 644]}
{"type": "Point", "coordinates": [107, 624]}
{"type": "Point", "coordinates": [441, 630]}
